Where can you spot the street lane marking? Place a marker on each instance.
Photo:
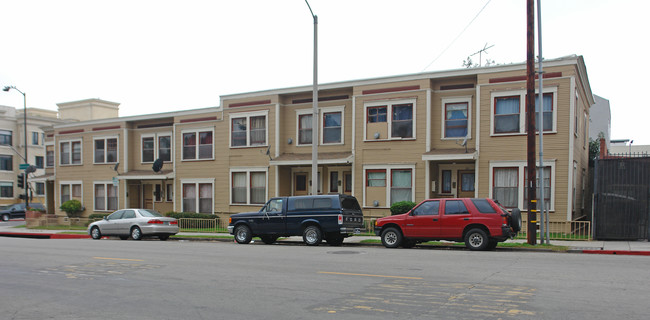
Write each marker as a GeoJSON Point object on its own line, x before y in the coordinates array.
{"type": "Point", "coordinates": [369, 275]}
{"type": "Point", "coordinates": [119, 259]}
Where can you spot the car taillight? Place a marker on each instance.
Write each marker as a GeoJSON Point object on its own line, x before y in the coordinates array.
{"type": "Point", "coordinates": [155, 221]}
{"type": "Point", "coordinates": [229, 220]}
{"type": "Point", "coordinates": [340, 219]}
{"type": "Point", "coordinates": [173, 222]}
{"type": "Point", "coordinates": [505, 220]}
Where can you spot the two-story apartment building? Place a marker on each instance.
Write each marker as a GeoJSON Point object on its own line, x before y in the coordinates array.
{"type": "Point", "coordinates": [452, 133]}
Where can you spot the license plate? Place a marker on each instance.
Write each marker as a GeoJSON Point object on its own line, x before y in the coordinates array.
{"type": "Point", "coordinates": [357, 231]}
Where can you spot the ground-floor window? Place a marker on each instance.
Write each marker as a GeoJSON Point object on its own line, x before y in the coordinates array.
{"type": "Point", "coordinates": [248, 186]}
{"type": "Point", "coordinates": [198, 195]}
{"type": "Point", "coordinates": [40, 188]}
{"type": "Point", "coordinates": [509, 182]}
{"type": "Point", "coordinates": [70, 190]}
{"type": "Point", "coordinates": [6, 190]}
{"type": "Point", "coordinates": [105, 197]}
{"type": "Point", "coordinates": [387, 184]}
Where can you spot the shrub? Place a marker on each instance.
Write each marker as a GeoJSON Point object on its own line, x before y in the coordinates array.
{"type": "Point", "coordinates": [73, 208]}
{"type": "Point", "coordinates": [97, 216]}
{"type": "Point", "coordinates": [402, 207]}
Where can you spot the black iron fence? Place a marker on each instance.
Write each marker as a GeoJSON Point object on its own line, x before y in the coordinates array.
{"type": "Point", "coordinates": [621, 192]}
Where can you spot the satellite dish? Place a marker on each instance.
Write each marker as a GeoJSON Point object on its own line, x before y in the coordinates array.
{"type": "Point", "coordinates": [464, 142]}
{"type": "Point", "coordinates": [116, 166]}
{"type": "Point", "coordinates": [157, 165]}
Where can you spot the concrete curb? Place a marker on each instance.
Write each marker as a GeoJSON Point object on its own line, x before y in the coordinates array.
{"type": "Point", "coordinates": [42, 235]}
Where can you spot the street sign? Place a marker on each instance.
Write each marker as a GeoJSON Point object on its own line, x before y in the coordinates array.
{"type": "Point", "coordinates": [23, 166]}
{"type": "Point", "coordinates": [115, 182]}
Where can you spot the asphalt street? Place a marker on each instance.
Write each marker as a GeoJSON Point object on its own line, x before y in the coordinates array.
{"type": "Point", "coordinates": [88, 279]}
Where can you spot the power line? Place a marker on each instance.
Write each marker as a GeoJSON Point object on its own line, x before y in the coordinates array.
{"type": "Point", "coordinates": [458, 36]}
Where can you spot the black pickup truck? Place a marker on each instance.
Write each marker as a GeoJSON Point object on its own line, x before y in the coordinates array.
{"type": "Point", "coordinates": [328, 217]}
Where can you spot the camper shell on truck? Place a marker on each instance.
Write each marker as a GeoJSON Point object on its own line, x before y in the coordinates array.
{"type": "Point", "coordinates": [322, 217]}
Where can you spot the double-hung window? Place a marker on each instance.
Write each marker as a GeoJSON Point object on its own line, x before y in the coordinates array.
{"type": "Point", "coordinates": [456, 119]}
{"type": "Point", "coordinates": [105, 196]}
{"type": "Point", "coordinates": [6, 137]}
{"type": "Point", "coordinates": [6, 189]}
{"type": "Point", "coordinates": [157, 146]}
{"type": "Point", "coordinates": [248, 186]}
{"type": "Point", "coordinates": [49, 156]}
{"type": "Point", "coordinates": [332, 127]}
{"type": "Point", "coordinates": [401, 185]}
{"type": "Point", "coordinates": [509, 111]}
{"type": "Point", "coordinates": [198, 196]}
{"type": "Point", "coordinates": [70, 152]}
{"type": "Point", "coordinates": [35, 138]}
{"type": "Point", "coordinates": [70, 191]}
{"type": "Point", "coordinates": [198, 145]}
{"type": "Point", "coordinates": [39, 162]}
{"type": "Point", "coordinates": [390, 120]}
{"type": "Point", "coordinates": [305, 128]}
{"type": "Point", "coordinates": [6, 162]}
{"type": "Point", "coordinates": [105, 150]}
{"type": "Point", "coordinates": [248, 129]}
{"type": "Point", "coordinates": [546, 186]}
{"type": "Point", "coordinates": [387, 184]}
{"type": "Point", "coordinates": [505, 187]}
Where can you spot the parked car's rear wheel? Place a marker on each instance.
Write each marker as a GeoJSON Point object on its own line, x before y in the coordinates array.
{"type": "Point", "coordinates": [163, 238]}
{"type": "Point", "coordinates": [312, 236]}
{"type": "Point", "coordinates": [515, 220]}
{"type": "Point", "coordinates": [391, 238]}
{"type": "Point", "coordinates": [335, 240]}
{"type": "Point", "coordinates": [95, 233]}
{"type": "Point", "coordinates": [243, 234]}
{"type": "Point", "coordinates": [136, 233]}
{"type": "Point", "coordinates": [476, 239]}
{"type": "Point", "coordinates": [269, 239]}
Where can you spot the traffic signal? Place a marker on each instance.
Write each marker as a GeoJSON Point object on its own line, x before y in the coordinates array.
{"type": "Point", "coordinates": [21, 181]}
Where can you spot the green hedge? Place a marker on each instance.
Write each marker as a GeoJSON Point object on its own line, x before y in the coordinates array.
{"type": "Point", "coordinates": [402, 207]}
{"type": "Point", "coordinates": [191, 215]}
{"type": "Point", "coordinates": [97, 216]}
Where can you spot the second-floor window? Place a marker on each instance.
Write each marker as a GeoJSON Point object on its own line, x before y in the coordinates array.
{"type": "Point", "coordinates": [248, 129]}
{"type": "Point", "coordinates": [70, 152]}
{"type": "Point", "coordinates": [509, 112]}
{"type": "Point", "coordinates": [106, 150]}
{"type": "Point", "coordinates": [6, 162]}
{"type": "Point", "coordinates": [35, 138]}
{"type": "Point", "coordinates": [39, 162]}
{"type": "Point", "coordinates": [390, 120]}
{"type": "Point", "coordinates": [456, 119]}
{"type": "Point", "coordinates": [6, 138]}
{"type": "Point", "coordinates": [332, 127]}
{"type": "Point", "coordinates": [305, 128]}
{"type": "Point", "coordinates": [157, 147]}
{"type": "Point", "coordinates": [197, 145]}
{"type": "Point", "coordinates": [49, 156]}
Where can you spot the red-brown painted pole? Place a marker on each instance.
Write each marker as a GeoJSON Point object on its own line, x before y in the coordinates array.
{"type": "Point", "coordinates": [531, 235]}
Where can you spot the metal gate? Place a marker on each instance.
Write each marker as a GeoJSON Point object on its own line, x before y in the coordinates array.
{"type": "Point", "coordinates": [621, 192]}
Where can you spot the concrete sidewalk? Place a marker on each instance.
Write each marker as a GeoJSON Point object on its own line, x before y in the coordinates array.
{"type": "Point", "coordinates": [592, 247]}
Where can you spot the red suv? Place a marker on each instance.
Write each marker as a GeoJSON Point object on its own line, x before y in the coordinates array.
{"type": "Point", "coordinates": [480, 223]}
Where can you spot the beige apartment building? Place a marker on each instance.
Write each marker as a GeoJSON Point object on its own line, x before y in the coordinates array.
{"type": "Point", "coordinates": [456, 133]}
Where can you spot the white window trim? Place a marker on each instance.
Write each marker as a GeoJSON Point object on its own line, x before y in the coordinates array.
{"type": "Point", "coordinates": [106, 184]}
{"type": "Point", "coordinates": [248, 171]}
{"type": "Point", "coordinates": [117, 158]}
{"type": "Point", "coordinates": [389, 117]}
{"type": "Point", "coordinates": [321, 122]}
{"type": "Point", "coordinates": [522, 110]}
{"type": "Point", "coordinates": [299, 113]}
{"type": "Point", "coordinates": [445, 101]}
{"type": "Point", "coordinates": [389, 177]}
{"type": "Point", "coordinates": [197, 131]}
{"type": "Point", "coordinates": [196, 183]}
{"type": "Point", "coordinates": [520, 165]}
{"type": "Point", "coordinates": [70, 157]}
{"type": "Point", "coordinates": [156, 145]}
{"type": "Point", "coordinates": [248, 115]}
{"type": "Point", "coordinates": [70, 183]}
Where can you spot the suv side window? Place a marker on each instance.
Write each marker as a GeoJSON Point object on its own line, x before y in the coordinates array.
{"type": "Point", "coordinates": [429, 208]}
{"type": "Point", "coordinates": [483, 206]}
{"type": "Point", "coordinates": [455, 207]}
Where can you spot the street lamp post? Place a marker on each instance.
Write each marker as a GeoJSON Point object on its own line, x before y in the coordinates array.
{"type": "Point", "coordinates": [314, 119]}
{"type": "Point", "coordinates": [6, 89]}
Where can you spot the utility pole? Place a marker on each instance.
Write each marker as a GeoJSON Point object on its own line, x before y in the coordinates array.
{"type": "Point", "coordinates": [531, 234]}
{"type": "Point", "coordinates": [314, 119]}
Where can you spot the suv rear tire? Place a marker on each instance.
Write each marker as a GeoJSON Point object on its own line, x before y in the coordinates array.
{"type": "Point", "coordinates": [476, 239]}
{"type": "Point", "coordinates": [515, 220]}
{"type": "Point", "coordinates": [391, 238]}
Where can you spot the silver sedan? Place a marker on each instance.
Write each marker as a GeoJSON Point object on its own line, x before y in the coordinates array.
{"type": "Point", "coordinates": [134, 223]}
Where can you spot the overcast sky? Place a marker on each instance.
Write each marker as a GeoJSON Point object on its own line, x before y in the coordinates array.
{"type": "Point", "coordinates": [158, 56]}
